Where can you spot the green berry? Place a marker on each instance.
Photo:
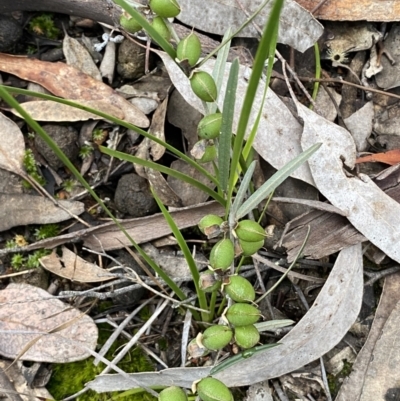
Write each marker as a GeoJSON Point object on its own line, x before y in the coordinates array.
{"type": "Point", "coordinates": [250, 248]}
{"type": "Point", "coordinates": [189, 48]}
{"type": "Point", "coordinates": [247, 336]}
{"type": "Point", "coordinates": [165, 8]}
{"type": "Point", "coordinates": [208, 282]}
{"type": "Point", "coordinates": [216, 337]}
{"type": "Point", "coordinates": [172, 393]}
{"type": "Point", "coordinates": [222, 254]}
{"type": "Point", "coordinates": [203, 86]}
{"type": "Point", "coordinates": [242, 314]}
{"type": "Point", "coordinates": [210, 389]}
{"type": "Point", "coordinates": [240, 289]}
{"type": "Point", "coordinates": [210, 126]}
{"type": "Point", "coordinates": [129, 24]}
{"type": "Point", "coordinates": [210, 154]}
{"type": "Point", "coordinates": [209, 221]}
{"type": "Point", "coordinates": [160, 26]}
{"type": "Point", "coordinates": [250, 231]}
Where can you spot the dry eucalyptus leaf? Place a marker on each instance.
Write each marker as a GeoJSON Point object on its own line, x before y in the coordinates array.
{"type": "Point", "coordinates": [77, 56]}
{"type": "Point", "coordinates": [324, 325]}
{"type": "Point", "coordinates": [23, 209]}
{"type": "Point", "coordinates": [278, 137]}
{"type": "Point", "coordinates": [297, 27]}
{"type": "Point", "coordinates": [44, 110]}
{"type": "Point", "coordinates": [69, 83]}
{"type": "Point", "coordinates": [42, 328]}
{"type": "Point", "coordinates": [362, 375]}
{"type": "Point", "coordinates": [73, 267]}
{"type": "Point", "coordinates": [12, 146]}
{"type": "Point", "coordinates": [157, 129]}
{"type": "Point", "coordinates": [163, 190]}
{"type": "Point", "coordinates": [367, 207]}
{"type": "Point", "coordinates": [189, 194]}
{"type": "Point", "coordinates": [345, 10]}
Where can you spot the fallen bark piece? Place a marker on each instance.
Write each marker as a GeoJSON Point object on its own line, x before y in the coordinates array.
{"type": "Point", "coordinates": [22, 210]}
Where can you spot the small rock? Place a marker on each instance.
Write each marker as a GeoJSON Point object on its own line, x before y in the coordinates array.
{"type": "Point", "coordinates": [10, 33]}
{"type": "Point", "coordinates": [131, 60]}
{"type": "Point", "coordinates": [66, 139]}
{"type": "Point", "coordinates": [134, 197]}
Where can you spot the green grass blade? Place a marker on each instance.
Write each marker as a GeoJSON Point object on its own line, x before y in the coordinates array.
{"type": "Point", "coordinates": [53, 146]}
{"type": "Point", "coordinates": [187, 254]}
{"type": "Point", "coordinates": [261, 55]}
{"type": "Point", "coordinates": [275, 181]}
{"type": "Point", "coordinates": [241, 193]}
{"type": "Point", "coordinates": [163, 169]}
{"type": "Point", "coordinates": [166, 46]}
{"type": "Point", "coordinates": [225, 139]}
{"type": "Point", "coordinates": [116, 121]}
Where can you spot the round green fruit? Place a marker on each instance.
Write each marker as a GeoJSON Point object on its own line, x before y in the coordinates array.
{"type": "Point", "coordinates": [203, 86]}
{"type": "Point", "coordinates": [129, 24]}
{"type": "Point", "coordinates": [172, 393]}
{"type": "Point", "coordinates": [240, 289]}
{"type": "Point", "coordinates": [216, 337]}
{"type": "Point", "coordinates": [210, 154]}
{"type": "Point", "coordinates": [165, 8]}
{"type": "Point", "coordinates": [210, 126]}
{"type": "Point", "coordinates": [250, 231]}
{"type": "Point", "coordinates": [210, 389]}
{"type": "Point", "coordinates": [242, 314]}
{"type": "Point", "coordinates": [209, 221]}
{"type": "Point", "coordinates": [160, 26]}
{"type": "Point", "coordinates": [208, 282]}
{"type": "Point", "coordinates": [222, 254]}
{"type": "Point", "coordinates": [189, 48]}
{"type": "Point", "coordinates": [247, 336]}
{"type": "Point", "coordinates": [250, 248]}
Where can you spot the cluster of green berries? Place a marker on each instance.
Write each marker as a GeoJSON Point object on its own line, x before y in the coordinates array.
{"type": "Point", "coordinates": [208, 389]}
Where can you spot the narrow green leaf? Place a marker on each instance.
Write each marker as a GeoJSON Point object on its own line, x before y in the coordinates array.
{"type": "Point", "coordinates": [115, 120]}
{"type": "Point", "coordinates": [186, 253]}
{"type": "Point", "coordinates": [166, 46]}
{"type": "Point", "coordinates": [225, 139]}
{"type": "Point", "coordinates": [163, 169]}
{"type": "Point", "coordinates": [261, 55]}
{"type": "Point", "coordinates": [241, 193]}
{"type": "Point", "coordinates": [275, 181]}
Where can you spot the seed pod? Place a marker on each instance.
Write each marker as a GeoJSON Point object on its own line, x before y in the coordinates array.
{"type": "Point", "coordinates": [165, 8]}
{"type": "Point", "coordinates": [242, 314]}
{"type": "Point", "coordinates": [209, 155]}
{"type": "Point", "coordinates": [208, 282]}
{"type": "Point", "coordinates": [240, 289]}
{"type": "Point", "coordinates": [172, 393]}
{"type": "Point", "coordinates": [203, 86]}
{"type": "Point", "coordinates": [250, 248]}
{"type": "Point", "coordinates": [216, 337]}
{"type": "Point", "coordinates": [250, 231]}
{"type": "Point", "coordinates": [189, 48]}
{"type": "Point", "coordinates": [210, 126]}
{"type": "Point", "coordinates": [129, 24]}
{"type": "Point", "coordinates": [222, 254]}
{"type": "Point", "coordinates": [209, 221]}
{"type": "Point", "coordinates": [195, 350]}
{"type": "Point", "coordinates": [210, 389]}
{"type": "Point", "coordinates": [247, 336]}
{"type": "Point", "coordinates": [159, 25]}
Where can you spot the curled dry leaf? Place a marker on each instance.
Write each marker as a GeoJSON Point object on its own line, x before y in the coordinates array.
{"type": "Point", "coordinates": [37, 327]}
{"type": "Point", "coordinates": [69, 83]}
{"type": "Point", "coordinates": [367, 207]}
{"type": "Point", "coordinates": [324, 325]}
{"type": "Point", "coordinates": [12, 146]}
{"type": "Point", "coordinates": [391, 157]}
{"type": "Point", "coordinates": [73, 267]}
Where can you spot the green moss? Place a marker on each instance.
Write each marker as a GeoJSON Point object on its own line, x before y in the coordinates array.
{"type": "Point", "coordinates": [69, 378]}
{"type": "Point", "coordinates": [335, 382]}
{"type": "Point", "coordinates": [43, 25]}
